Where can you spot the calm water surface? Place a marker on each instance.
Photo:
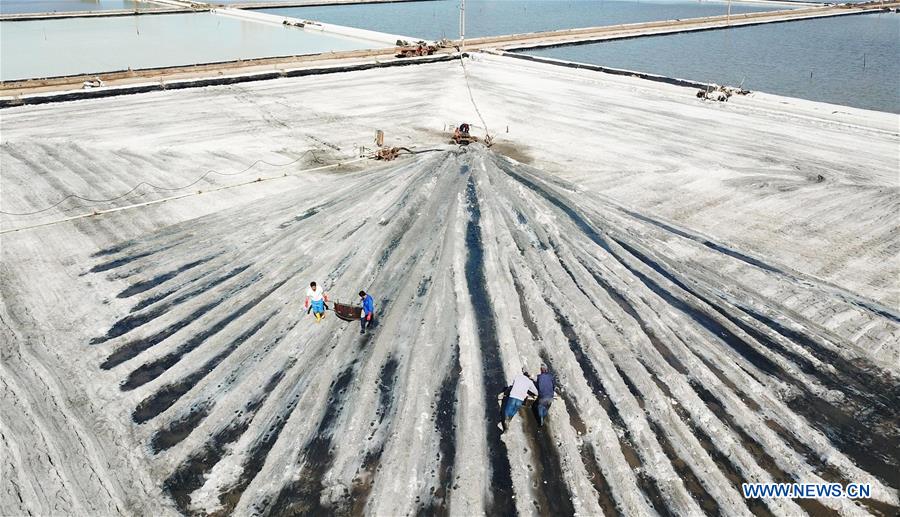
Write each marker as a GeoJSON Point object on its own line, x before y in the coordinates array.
{"type": "Point", "coordinates": [439, 19]}
{"type": "Point", "coordinates": [47, 48]}
{"type": "Point", "coordinates": [49, 6]}
{"type": "Point", "coordinates": [849, 60]}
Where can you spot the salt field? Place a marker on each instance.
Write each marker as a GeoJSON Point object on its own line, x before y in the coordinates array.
{"type": "Point", "coordinates": [849, 60]}
{"type": "Point", "coordinates": [714, 285]}
{"type": "Point", "coordinates": [663, 255]}
{"type": "Point", "coordinates": [49, 6]}
{"type": "Point", "coordinates": [91, 45]}
{"type": "Point", "coordinates": [440, 19]}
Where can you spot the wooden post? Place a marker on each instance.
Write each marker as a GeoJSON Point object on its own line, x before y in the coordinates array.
{"type": "Point", "coordinates": [379, 138]}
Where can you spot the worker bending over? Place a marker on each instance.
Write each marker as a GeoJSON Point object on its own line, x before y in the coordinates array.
{"type": "Point", "coordinates": [521, 387]}
{"type": "Point", "coordinates": [546, 386]}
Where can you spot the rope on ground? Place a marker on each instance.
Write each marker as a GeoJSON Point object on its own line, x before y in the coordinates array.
{"type": "Point", "coordinates": [158, 187]}
{"type": "Point", "coordinates": [420, 151]}
{"type": "Point", "coordinates": [179, 196]}
{"type": "Point", "coordinates": [462, 61]}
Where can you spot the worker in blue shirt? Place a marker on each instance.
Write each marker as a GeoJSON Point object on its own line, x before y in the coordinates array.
{"type": "Point", "coordinates": [367, 314]}
{"type": "Point", "coordinates": [546, 385]}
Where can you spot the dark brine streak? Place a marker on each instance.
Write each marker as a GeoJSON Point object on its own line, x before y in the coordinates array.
{"type": "Point", "coordinates": [605, 497]}
{"type": "Point", "coordinates": [757, 450]}
{"type": "Point", "coordinates": [161, 295]}
{"type": "Point", "coordinates": [554, 494]}
{"type": "Point", "coordinates": [690, 480]}
{"type": "Point", "coordinates": [445, 424]}
{"type": "Point", "coordinates": [629, 309]}
{"type": "Point", "coordinates": [113, 249]}
{"type": "Point", "coordinates": [706, 242]}
{"type": "Point", "coordinates": [303, 496]}
{"type": "Point", "coordinates": [492, 366]}
{"type": "Point", "coordinates": [140, 287]}
{"type": "Point", "coordinates": [179, 429]}
{"type": "Point", "coordinates": [842, 427]}
{"type": "Point", "coordinates": [860, 376]}
{"type": "Point", "coordinates": [712, 325]}
{"type": "Point", "coordinates": [114, 264]}
{"type": "Point", "coordinates": [133, 321]}
{"type": "Point", "coordinates": [646, 483]}
{"type": "Point", "coordinates": [191, 473]}
{"type": "Point", "coordinates": [163, 399]}
{"type": "Point", "coordinates": [365, 479]}
{"type": "Point", "coordinates": [832, 421]}
{"type": "Point", "coordinates": [149, 371]}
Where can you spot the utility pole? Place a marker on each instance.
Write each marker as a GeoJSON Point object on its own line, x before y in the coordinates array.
{"type": "Point", "coordinates": [462, 25]}
{"type": "Point", "coordinates": [728, 19]}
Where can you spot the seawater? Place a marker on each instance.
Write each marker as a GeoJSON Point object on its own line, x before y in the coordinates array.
{"type": "Point", "coordinates": [848, 60]}
{"type": "Point", "coordinates": [49, 48]}
{"type": "Point", "coordinates": [439, 19]}
{"type": "Point", "coordinates": [49, 6]}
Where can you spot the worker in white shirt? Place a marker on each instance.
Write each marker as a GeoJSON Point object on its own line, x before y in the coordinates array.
{"type": "Point", "coordinates": [521, 387]}
{"type": "Point", "coordinates": [315, 301]}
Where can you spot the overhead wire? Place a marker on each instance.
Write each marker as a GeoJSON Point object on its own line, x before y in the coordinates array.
{"type": "Point", "coordinates": [462, 61]}
{"type": "Point", "coordinates": [487, 138]}
{"type": "Point", "coordinates": [171, 198]}
{"type": "Point", "coordinates": [159, 187]}
{"type": "Point", "coordinates": [210, 172]}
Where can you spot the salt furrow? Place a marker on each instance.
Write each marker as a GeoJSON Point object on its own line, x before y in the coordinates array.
{"type": "Point", "coordinates": [496, 186]}
{"type": "Point", "coordinates": [552, 489]}
{"type": "Point", "coordinates": [687, 364]}
{"type": "Point", "coordinates": [644, 354]}
{"type": "Point", "coordinates": [705, 371]}
{"type": "Point", "coordinates": [644, 431]}
{"type": "Point", "coordinates": [584, 406]}
{"type": "Point", "coordinates": [334, 453]}
{"type": "Point", "coordinates": [507, 294]}
{"type": "Point", "coordinates": [405, 337]}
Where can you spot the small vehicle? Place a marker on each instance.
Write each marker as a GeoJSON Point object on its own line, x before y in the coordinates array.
{"type": "Point", "coordinates": [421, 48]}
{"type": "Point", "coordinates": [462, 136]}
